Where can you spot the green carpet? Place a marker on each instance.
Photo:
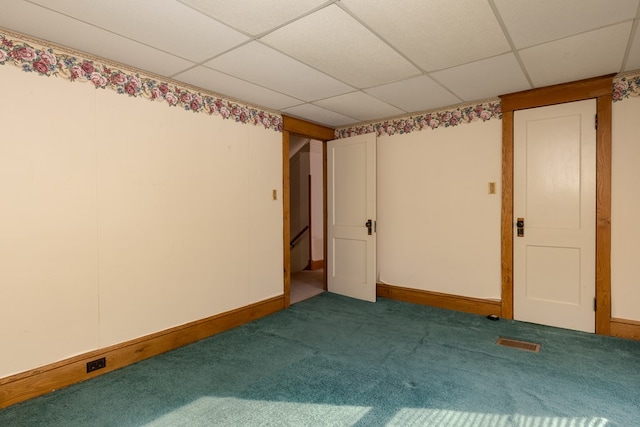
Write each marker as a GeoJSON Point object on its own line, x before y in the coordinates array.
{"type": "Point", "coordinates": [335, 361]}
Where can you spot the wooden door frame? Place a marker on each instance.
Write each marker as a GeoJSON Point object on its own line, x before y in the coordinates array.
{"type": "Point", "coordinates": [310, 219]}
{"type": "Point", "coordinates": [599, 88]}
{"type": "Point", "coordinates": [299, 127]}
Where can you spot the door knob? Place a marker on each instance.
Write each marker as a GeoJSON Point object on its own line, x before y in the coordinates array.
{"type": "Point", "coordinates": [520, 227]}
{"type": "Point", "coordinates": [369, 224]}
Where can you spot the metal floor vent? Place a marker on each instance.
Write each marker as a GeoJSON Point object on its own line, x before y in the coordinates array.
{"type": "Point", "coordinates": [521, 345]}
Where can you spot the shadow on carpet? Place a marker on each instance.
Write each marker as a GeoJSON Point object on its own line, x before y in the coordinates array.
{"type": "Point", "coordinates": [335, 361]}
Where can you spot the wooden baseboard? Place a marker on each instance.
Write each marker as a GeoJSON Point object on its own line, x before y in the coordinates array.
{"type": "Point", "coordinates": [26, 385]}
{"type": "Point", "coordinates": [623, 328]}
{"type": "Point", "coordinates": [316, 265]}
{"type": "Point", "coordinates": [436, 299]}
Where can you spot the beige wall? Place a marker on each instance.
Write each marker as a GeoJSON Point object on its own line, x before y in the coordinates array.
{"type": "Point", "coordinates": [299, 196]}
{"type": "Point", "coordinates": [48, 203]}
{"type": "Point", "coordinates": [317, 202]}
{"type": "Point", "coordinates": [121, 217]}
{"type": "Point", "coordinates": [625, 210]}
{"type": "Point", "coordinates": [305, 162]}
{"type": "Point", "coordinates": [438, 228]}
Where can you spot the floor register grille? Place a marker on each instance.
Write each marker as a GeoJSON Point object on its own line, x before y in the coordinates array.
{"type": "Point", "coordinates": [521, 345]}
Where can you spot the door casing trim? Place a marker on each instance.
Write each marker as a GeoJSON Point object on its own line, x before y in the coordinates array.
{"type": "Point", "coordinates": [295, 126]}
{"type": "Point", "coordinates": [600, 89]}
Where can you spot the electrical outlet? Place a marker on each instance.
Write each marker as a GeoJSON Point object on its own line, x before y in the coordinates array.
{"type": "Point", "coordinates": [94, 365]}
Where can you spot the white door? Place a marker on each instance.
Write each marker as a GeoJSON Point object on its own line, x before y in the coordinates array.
{"type": "Point", "coordinates": [555, 199]}
{"type": "Point", "coordinates": [351, 217]}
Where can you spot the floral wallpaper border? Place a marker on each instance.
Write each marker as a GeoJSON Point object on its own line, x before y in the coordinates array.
{"type": "Point", "coordinates": [30, 56]}
{"type": "Point", "coordinates": [433, 120]}
{"type": "Point", "coordinates": [48, 61]}
{"type": "Point", "coordinates": [624, 86]}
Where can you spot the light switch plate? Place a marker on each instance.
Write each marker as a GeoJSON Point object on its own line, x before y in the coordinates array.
{"type": "Point", "coordinates": [492, 188]}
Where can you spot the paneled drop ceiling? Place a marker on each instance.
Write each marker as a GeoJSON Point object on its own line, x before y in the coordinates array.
{"type": "Point", "coordinates": [347, 61]}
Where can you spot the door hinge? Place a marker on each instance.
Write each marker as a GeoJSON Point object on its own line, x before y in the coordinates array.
{"type": "Point", "coordinates": [595, 304]}
{"type": "Point", "coordinates": [596, 122]}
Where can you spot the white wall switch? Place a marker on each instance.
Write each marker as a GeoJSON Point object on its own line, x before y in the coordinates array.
{"type": "Point", "coordinates": [492, 188]}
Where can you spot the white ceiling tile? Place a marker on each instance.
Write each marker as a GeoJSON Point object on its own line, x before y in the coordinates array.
{"type": "Point", "coordinates": [320, 49]}
{"type": "Point", "coordinates": [254, 17]}
{"type": "Point", "coordinates": [586, 55]}
{"type": "Point", "coordinates": [533, 22]}
{"type": "Point", "coordinates": [359, 105]}
{"type": "Point", "coordinates": [415, 94]}
{"type": "Point", "coordinates": [28, 18]}
{"type": "Point", "coordinates": [153, 22]}
{"type": "Point", "coordinates": [484, 79]}
{"type": "Point", "coordinates": [332, 41]}
{"type": "Point", "coordinates": [633, 60]}
{"type": "Point", "coordinates": [266, 67]}
{"type": "Point", "coordinates": [229, 86]}
{"type": "Point", "coordinates": [435, 34]}
{"type": "Point", "coordinates": [319, 115]}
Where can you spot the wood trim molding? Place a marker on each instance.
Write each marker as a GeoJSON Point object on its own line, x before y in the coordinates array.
{"type": "Point", "coordinates": [599, 88]}
{"type": "Point", "coordinates": [435, 299]}
{"type": "Point", "coordinates": [286, 217]}
{"type": "Point", "coordinates": [310, 211]}
{"type": "Point", "coordinates": [622, 328]}
{"type": "Point", "coordinates": [316, 264]}
{"type": "Point", "coordinates": [307, 129]}
{"type": "Point", "coordinates": [507, 213]}
{"type": "Point", "coordinates": [558, 94]}
{"type": "Point", "coordinates": [26, 385]}
{"type": "Point", "coordinates": [290, 126]}
{"type": "Point", "coordinates": [325, 217]}
{"type": "Point", "coordinates": [603, 214]}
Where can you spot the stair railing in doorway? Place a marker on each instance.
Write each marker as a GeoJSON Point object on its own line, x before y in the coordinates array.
{"type": "Point", "coordinates": [298, 236]}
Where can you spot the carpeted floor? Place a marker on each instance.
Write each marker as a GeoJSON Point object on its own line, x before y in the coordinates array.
{"type": "Point", "coordinates": [335, 361]}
